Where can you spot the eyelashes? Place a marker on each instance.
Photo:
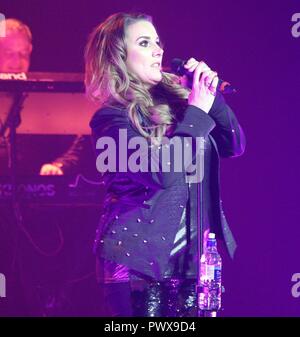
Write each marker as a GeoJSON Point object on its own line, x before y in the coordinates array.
{"type": "Point", "coordinates": [147, 43]}
{"type": "Point", "coordinates": [144, 43]}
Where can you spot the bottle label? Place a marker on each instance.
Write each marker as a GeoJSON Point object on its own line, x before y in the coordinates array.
{"type": "Point", "coordinates": [208, 272]}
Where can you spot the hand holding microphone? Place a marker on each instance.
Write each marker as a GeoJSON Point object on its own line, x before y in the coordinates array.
{"type": "Point", "coordinates": [202, 80]}
{"type": "Point", "coordinates": [204, 85]}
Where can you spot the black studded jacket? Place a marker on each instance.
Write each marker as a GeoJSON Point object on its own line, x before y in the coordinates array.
{"type": "Point", "coordinates": [142, 210]}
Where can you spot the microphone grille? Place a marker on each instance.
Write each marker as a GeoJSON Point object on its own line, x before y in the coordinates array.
{"type": "Point", "coordinates": [177, 66]}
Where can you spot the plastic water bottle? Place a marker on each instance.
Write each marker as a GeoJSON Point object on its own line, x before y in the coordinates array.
{"type": "Point", "coordinates": [210, 277]}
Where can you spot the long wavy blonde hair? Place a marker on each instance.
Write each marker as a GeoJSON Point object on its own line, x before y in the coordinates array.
{"type": "Point", "coordinates": [109, 82]}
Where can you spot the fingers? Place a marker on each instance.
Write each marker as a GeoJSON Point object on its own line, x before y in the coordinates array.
{"type": "Point", "coordinates": [203, 75]}
{"type": "Point", "coordinates": [192, 65]}
{"type": "Point", "coordinates": [214, 85]}
{"type": "Point", "coordinates": [207, 79]}
{"type": "Point", "coordinates": [204, 85]}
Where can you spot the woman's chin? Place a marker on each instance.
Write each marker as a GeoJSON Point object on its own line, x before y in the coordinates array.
{"type": "Point", "coordinates": [157, 79]}
{"type": "Point", "coordinates": [153, 82]}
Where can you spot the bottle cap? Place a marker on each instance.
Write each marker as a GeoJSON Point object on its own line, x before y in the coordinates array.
{"type": "Point", "coordinates": [211, 235]}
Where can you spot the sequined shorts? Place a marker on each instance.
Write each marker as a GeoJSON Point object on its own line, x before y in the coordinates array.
{"type": "Point", "coordinates": [127, 295]}
{"type": "Point", "coordinates": [168, 298]}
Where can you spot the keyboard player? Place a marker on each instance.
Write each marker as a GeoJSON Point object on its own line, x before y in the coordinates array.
{"type": "Point", "coordinates": [15, 56]}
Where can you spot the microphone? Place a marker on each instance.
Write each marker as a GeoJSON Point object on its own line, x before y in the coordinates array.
{"type": "Point", "coordinates": [177, 67]}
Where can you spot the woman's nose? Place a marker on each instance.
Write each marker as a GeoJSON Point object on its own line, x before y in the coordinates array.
{"type": "Point", "coordinates": [158, 51]}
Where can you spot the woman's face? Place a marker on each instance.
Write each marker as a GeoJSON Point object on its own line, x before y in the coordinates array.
{"type": "Point", "coordinates": [144, 54]}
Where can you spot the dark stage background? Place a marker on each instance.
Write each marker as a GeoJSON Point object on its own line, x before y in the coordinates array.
{"type": "Point", "coordinates": [250, 44]}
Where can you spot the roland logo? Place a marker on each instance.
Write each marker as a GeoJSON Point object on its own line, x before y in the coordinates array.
{"type": "Point", "coordinates": [13, 76]}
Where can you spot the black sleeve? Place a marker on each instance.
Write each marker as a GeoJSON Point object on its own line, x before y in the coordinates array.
{"type": "Point", "coordinates": [227, 133]}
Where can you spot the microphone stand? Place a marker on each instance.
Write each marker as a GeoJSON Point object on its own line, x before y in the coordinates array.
{"type": "Point", "coordinates": [199, 222]}
{"type": "Point", "coordinates": [12, 122]}
{"type": "Point", "coordinates": [200, 229]}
